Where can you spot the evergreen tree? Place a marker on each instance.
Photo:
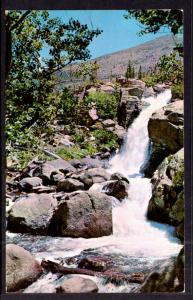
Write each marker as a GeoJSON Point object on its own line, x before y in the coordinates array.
{"type": "Point", "coordinates": [130, 73]}
{"type": "Point", "coordinates": [133, 73]}
{"type": "Point", "coordinates": [140, 72]}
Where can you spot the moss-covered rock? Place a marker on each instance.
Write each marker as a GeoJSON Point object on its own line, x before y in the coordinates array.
{"type": "Point", "coordinates": [167, 202]}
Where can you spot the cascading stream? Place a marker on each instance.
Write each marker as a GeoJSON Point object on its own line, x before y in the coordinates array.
{"type": "Point", "coordinates": [133, 235]}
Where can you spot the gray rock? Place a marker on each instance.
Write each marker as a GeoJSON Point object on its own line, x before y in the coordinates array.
{"type": "Point", "coordinates": [77, 284]}
{"type": "Point", "coordinates": [61, 165]}
{"type": "Point", "coordinates": [118, 176]}
{"type": "Point", "coordinates": [93, 114]}
{"type": "Point", "coordinates": [166, 126]}
{"type": "Point", "coordinates": [83, 214]}
{"type": "Point", "coordinates": [28, 184]}
{"type": "Point", "coordinates": [31, 213]}
{"type": "Point", "coordinates": [128, 109]}
{"type": "Point", "coordinates": [70, 185]}
{"type": "Point", "coordinates": [21, 268]}
{"type": "Point", "coordinates": [136, 82]}
{"type": "Point", "coordinates": [167, 201]}
{"type": "Point", "coordinates": [160, 88]}
{"type": "Point", "coordinates": [44, 171]}
{"type": "Point", "coordinates": [166, 130]}
{"type": "Point", "coordinates": [167, 277]}
{"type": "Point", "coordinates": [120, 133]}
{"type": "Point", "coordinates": [108, 123]}
{"type": "Point", "coordinates": [135, 91]}
{"type": "Point", "coordinates": [91, 176]}
{"type": "Point", "coordinates": [148, 92]}
{"type": "Point", "coordinates": [117, 189]}
{"type": "Point", "coordinates": [95, 263]}
{"type": "Point", "coordinates": [92, 162]}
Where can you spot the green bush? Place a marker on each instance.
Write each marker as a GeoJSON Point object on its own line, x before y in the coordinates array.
{"type": "Point", "coordinates": [105, 104]}
{"type": "Point", "coordinates": [66, 104]}
{"type": "Point", "coordinates": [178, 91]}
{"type": "Point", "coordinates": [105, 138]}
{"type": "Point", "coordinates": [76, 152]}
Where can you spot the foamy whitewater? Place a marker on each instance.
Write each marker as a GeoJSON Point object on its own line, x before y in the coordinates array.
{"type": "Point", "coordinates": [137, 242]}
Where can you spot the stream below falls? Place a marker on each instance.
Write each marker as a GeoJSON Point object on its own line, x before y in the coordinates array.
{"type": "Point", "coordinates": [136, 243]}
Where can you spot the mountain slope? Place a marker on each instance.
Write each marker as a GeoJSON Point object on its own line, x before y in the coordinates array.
{"type": "Point", "coordinates": [146, 55]}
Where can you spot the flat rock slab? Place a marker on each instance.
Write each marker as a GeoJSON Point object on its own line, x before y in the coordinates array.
{"type": "Point", "coordinates": [77, 284]}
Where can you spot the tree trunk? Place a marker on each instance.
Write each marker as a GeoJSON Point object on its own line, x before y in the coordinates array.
{"type": "Point", "coordinates": [110, 275]}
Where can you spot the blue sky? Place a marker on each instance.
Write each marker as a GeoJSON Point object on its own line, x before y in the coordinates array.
{"type": "Point", "coordinates": [118, 33]}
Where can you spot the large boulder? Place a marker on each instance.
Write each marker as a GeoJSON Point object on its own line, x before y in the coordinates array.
{"type": "Point", "coordinates": [91, 176]}
{"type": "Point", "coordinates": [165, 128]}
{"type": "Point", "coordinates": [148, 92]}
{"type": "Point", "coordinates": [70, 185]}
{"type": "Point", "coordinates": [83, 214]}
{"type": "Point", "coordinates": [28, 184]}
{"type": "Point", "coordinates": [21, 268]}
{"type": "Point", "coordinates": [135, 91]}
{"type": "Point", "coordinates": [77, 284]}
{"type": "Point", "coordinates": [166, 277]}
{"type": "Point", "coordinates": [128, 108]}
{"type": "Point", "coordinates": [116, 188]}
{"type": "Point", "coordinates": [167, 201]}
{"type": "Point", "coordinates": [31, 213]}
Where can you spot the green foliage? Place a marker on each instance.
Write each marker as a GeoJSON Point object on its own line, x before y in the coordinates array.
{"type": "Point", "coordinates": [88, 71]}
{"type": "Point", "coordinates": [140, 75]}
{"type": "Point", "coordinates": [155, 19]}
{"type": "Point", "coordinates": [105, 138]}
{"type": "Point", "coordinates": [76, 152]}
{"type": "Point", "coordinates": [130, 73]}
{"type": "Point", "coordinates": [178, 179]}
{"type": "Point", "coordinates": [178, 91]}
{"type": "Point", "coordinates": [169, 69]}
{"type": "Point", "coordinates": [66, 104]}
{"type": "Point", "coordinates": [32, 102]}
{"type": "Point", "coordinates": [105, 104]}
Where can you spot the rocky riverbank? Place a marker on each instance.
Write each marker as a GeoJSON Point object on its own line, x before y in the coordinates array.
{"type": "Point", "coordinates": [59, 198]}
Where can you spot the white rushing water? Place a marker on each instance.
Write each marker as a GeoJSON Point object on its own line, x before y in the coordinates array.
{"type": "Point", "coordinates": [133, 235]}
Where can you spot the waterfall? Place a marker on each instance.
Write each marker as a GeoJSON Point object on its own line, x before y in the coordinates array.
{"type": "Point", "coordinates": [134, 237]}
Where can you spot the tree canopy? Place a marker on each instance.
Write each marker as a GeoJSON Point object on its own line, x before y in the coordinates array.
{"type": "Point", "coordinates": [155, 19]}
{"type": "Point", "coordinates": [30, 75]}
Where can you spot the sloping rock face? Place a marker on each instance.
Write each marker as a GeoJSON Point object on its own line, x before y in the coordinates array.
{"type": "Point", "coordinates": [21, 268]}
{"type": "Point", "coordinates": [167, 277]}
{"type": "Point", "coordinates": [83, 214]}
{"type": "Point", "coordinates": [167, 202]}
{"type": "Point", "coordinates": [129, 107]}
{"type": "Point", "coordinates": [31, 213]}
{"type": "Point", "coordinates": [165, 130]}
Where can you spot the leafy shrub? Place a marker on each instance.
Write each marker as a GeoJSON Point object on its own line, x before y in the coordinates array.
{"type": "Point", "coordinates": [105, 104]}
{"type": "Point", "coordinates": [105, 138]}
{"type": "Point", "coordinates": [178, 91]}
{"type": "Point", "coordinates": [66, 103]}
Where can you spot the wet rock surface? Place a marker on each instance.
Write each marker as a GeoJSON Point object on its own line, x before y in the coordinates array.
{"type": "Point", "coordinates": [77, 284]}
{"type": "Point", "coordinates": [83, 214]}
{"type": "Point", "coordinates": [21, 268]}
{"type": "Point", "coordinates": [167, 201]}
{"type": "Point", "coordinates": [167, 277]}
